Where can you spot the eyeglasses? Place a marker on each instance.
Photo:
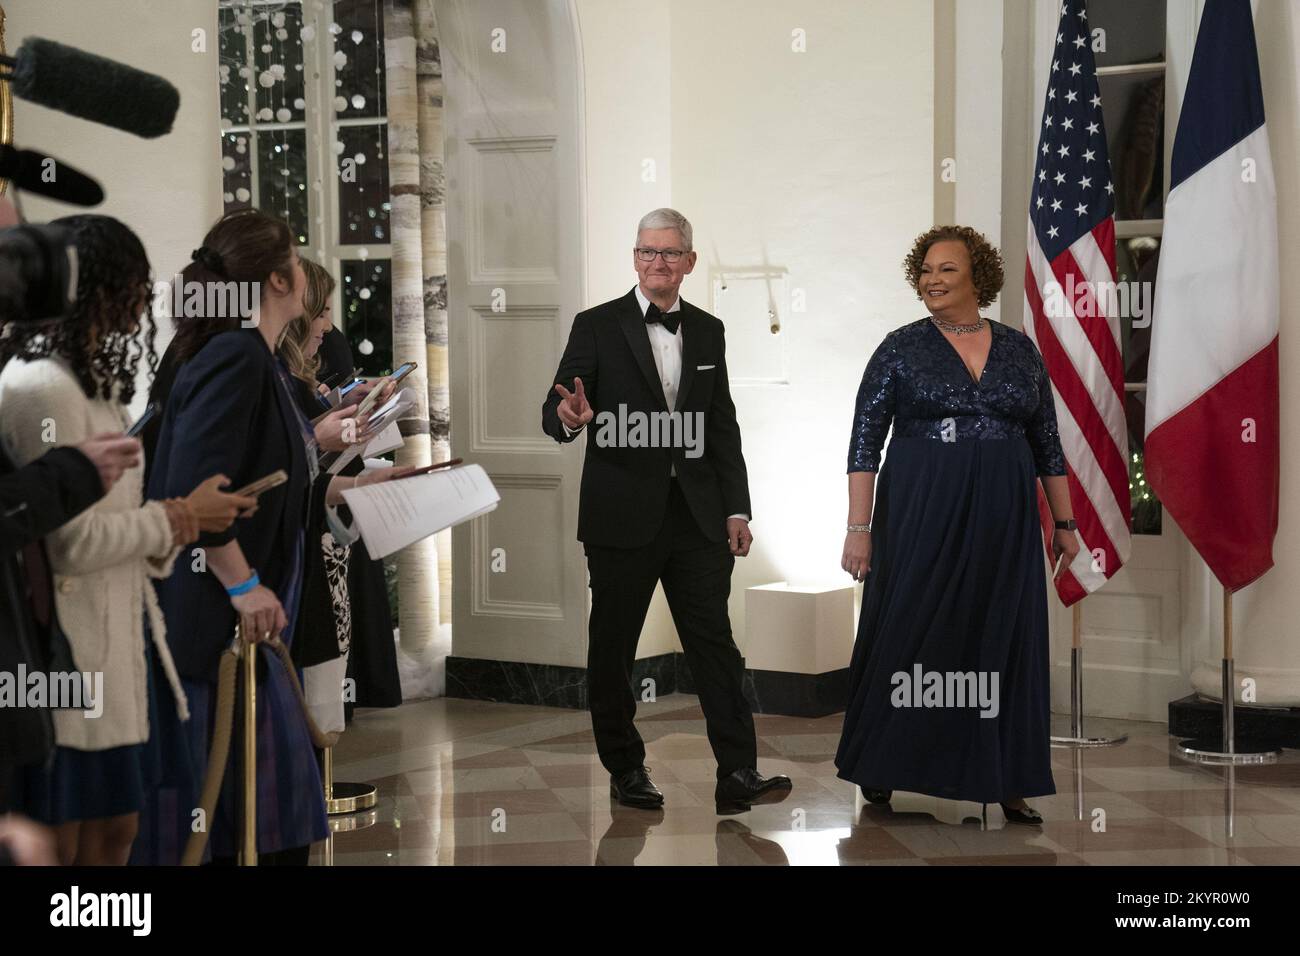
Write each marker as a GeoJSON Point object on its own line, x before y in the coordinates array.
{"type": "Point", "coordinates": [670, 255]}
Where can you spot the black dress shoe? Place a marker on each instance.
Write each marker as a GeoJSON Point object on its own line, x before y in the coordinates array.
{"type": "Point", "coordinates": [1028, 816]}
{"type": "Point", "coordinates": [736, 792]}
{"type": "Point", "coordinates": [876, 796]}
{"type": "Point", "coordinates": [633, 788]}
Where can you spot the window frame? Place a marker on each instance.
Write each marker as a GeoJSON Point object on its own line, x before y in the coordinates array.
{"type": "Point", "coordinates": [320, 125]}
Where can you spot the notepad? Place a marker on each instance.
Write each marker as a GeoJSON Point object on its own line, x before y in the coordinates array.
{"type": "Point", "coordinates": [397, 513]}
{"type": "Point", "coordinates": [383, 424]}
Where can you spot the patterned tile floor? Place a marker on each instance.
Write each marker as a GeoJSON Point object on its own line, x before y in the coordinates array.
{"type": "Point", "coordinates": [467, 782]}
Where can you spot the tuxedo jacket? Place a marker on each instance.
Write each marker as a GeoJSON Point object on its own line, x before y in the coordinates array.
{"type": "Point", "coordinates": [624, 493]}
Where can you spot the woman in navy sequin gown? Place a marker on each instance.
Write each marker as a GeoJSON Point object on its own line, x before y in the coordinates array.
{"type": "Point", "coordinates": [948, 692]}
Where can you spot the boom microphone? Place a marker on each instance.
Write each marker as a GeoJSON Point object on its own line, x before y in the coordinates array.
{"type": "Point", "coordinates": [34, 173]}
{"type": "Point", "coordinates": [92, 87]}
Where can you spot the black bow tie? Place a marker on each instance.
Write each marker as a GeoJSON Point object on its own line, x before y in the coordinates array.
{"type": "Point", "coordinates": [669, 320]}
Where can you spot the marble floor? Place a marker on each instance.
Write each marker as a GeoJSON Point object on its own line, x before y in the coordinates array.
{"type": "Point", "coordinates": [468, 782]}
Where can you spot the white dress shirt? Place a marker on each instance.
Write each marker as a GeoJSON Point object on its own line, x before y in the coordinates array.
{"type": "Point", "coordinates": [666, 347]}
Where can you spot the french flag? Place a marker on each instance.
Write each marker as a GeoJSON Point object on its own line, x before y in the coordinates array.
{"type": "Point", "coordinates": [1212, 394]}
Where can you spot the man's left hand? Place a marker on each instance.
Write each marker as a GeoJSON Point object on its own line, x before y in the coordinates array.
{"type": "Point", "coordinates": [738, 536]}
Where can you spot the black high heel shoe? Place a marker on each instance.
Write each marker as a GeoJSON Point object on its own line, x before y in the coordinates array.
{"type": "Point", "coordinates": [1028, 816]}
{"type": "Point", "coordinates": [876, 796]}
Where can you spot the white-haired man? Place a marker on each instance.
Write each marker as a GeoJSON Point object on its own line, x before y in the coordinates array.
{"type": "Point", "coordinates": [664, 498]}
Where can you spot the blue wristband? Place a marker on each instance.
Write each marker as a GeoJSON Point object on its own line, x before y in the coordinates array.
{"type": "Point", "coordinates": [244, 588]}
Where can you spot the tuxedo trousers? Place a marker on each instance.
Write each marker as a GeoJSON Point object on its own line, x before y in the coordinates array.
{"type": "Point", "coordinates": [696, 576]}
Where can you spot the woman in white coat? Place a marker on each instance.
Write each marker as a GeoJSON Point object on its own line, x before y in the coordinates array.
{"type": "Point", "coordinates": [62, 383]}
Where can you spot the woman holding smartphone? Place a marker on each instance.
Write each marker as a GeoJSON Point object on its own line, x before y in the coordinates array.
{"type": "Point", "coordinates": [61, 384]}
{"type": "Point", "coordinates": [231, 409]}
{"type": "Point", "coordinates": [325, 633]}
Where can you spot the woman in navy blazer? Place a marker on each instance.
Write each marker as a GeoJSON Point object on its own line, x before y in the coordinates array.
{"type": "Point", "coordinates": [230, 409]}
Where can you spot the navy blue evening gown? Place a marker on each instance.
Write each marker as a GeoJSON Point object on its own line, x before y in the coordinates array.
{"type": "Point", "coordinates": [948, 686]}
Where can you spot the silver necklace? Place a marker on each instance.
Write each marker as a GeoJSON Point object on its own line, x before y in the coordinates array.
{"type": "Point", "coordinates": [957, 328]}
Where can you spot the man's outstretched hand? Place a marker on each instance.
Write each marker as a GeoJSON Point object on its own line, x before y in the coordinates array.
{"type": "Point", "coordinates": [574, 409]}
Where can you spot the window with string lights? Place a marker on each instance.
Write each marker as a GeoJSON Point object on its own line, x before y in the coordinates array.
{"type": "Point", "coordinates": [304, 137]}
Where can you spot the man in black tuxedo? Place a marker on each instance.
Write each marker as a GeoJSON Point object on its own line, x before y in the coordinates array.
{"type": "Point", "coordinates": [664, 498]}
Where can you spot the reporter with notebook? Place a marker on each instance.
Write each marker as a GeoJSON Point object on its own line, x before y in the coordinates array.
{"type": "Point", "coordinates": [328, 622]}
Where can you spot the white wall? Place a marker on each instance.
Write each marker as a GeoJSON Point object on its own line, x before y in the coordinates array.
{"type": "Point", "coordinates": [168, 189]}
{"type": "Point", "coordinates": [815, 162]}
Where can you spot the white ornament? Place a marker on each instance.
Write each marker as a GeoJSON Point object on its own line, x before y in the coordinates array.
{"type": "Point", "coordinates": [242, 194]}
{"type": "Point", "coordinates": [358, 101]}
{"type": "Point", "coordinates": [365, 346]}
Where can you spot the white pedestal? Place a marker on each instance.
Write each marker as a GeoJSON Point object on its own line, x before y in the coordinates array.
{"type": "Point", "coordinates": [798, 630]}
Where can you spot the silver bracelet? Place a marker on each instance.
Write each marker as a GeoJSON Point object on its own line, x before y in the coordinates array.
{"type": "Point", "coordinates": [859, 527]}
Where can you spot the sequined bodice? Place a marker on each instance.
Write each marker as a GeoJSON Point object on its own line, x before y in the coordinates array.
{"type": "Point", "coordinates": [917, 382]}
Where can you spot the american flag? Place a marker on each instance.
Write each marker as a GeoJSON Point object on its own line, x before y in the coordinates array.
{"type": "Point", "coordinates": [1069, 270]}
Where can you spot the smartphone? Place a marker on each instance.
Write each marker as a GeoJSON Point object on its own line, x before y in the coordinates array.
{"type": "Point", "coordinates": [143, 420]}
{"type": "Point", "coordinates": [399, 373]}
{"type": "Point", "coordinates": [403, 370]}
{"type": "Point", "coordinates": [344, 389]}
{"type": "Point", "coordinates": [262, 484]}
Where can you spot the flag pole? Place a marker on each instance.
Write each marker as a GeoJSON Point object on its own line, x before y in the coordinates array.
{"type": "Point", "coordinates": [1077, 738]}
{"type": "Point", "coordinates": [1229, 748]}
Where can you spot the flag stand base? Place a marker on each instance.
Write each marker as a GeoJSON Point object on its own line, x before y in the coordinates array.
{"type": "Point", "coordinates": [1228, 748]}
{"type": "Point", "coordinates": [1077, 740]}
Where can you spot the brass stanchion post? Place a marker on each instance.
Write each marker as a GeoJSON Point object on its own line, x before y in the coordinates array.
{"type": "Point", "coordinates": [248, 838]}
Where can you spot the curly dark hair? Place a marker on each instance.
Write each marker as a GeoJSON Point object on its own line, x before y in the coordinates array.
{"type": "Point", "coordinates": [100, 340]}
{"type": "Point", "coordinates": [985, 260]}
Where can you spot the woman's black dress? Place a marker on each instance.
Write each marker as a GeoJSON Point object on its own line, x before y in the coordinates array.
{"type": "Point", "coordinates": [372, 663]}
{"type": "Point", "coordinates": [948, 687]}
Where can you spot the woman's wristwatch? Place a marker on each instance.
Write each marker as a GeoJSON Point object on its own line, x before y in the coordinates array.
{"type": "Point", "coordinates": [1066, 525]}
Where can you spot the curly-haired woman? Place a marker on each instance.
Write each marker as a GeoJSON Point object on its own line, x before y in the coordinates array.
{"type": "Point", "coordinates": [949, 690]}
{"type": "Point", "coordinates": [61, 384]}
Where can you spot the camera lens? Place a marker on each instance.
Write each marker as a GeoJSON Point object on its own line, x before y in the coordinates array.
{"type": "Point", "coordinates": [38, 273]}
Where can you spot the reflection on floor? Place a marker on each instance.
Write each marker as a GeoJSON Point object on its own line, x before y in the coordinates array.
{"type": "Point", "coordinates": [467, 782]}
